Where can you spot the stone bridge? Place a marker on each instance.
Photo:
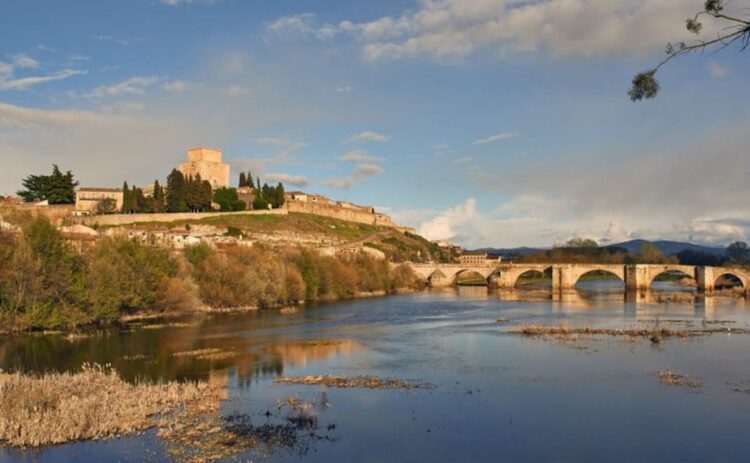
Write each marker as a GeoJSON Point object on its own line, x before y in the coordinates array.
{"type": "Point", "coordinates": [565, 276]}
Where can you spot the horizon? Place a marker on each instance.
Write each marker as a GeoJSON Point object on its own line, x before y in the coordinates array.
{"type": "Point", "coordinates": [479, 136]}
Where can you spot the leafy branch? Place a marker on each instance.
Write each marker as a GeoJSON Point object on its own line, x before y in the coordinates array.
{"type": "Point", "coordinates": [645, 85]}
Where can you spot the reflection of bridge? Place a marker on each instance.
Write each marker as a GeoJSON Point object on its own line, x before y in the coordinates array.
{"type": "Point", "coordinates": [565, 276]}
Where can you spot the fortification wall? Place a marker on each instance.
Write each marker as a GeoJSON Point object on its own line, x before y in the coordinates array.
{"type": "Point", "coordinates": [341, 213]}
{"type": "Point", "coordinates": [127, 219]}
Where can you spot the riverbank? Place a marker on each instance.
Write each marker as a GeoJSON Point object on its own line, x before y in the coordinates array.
{"type": "Point", "coordinates": [47, 284]}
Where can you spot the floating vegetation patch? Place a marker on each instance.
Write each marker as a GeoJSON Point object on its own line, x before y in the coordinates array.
{"type": "Point", "coordinates": [654, 334]}
{"type": "Point", "coordinates": [210, 353]}
{"type": "Point", "coordinates": [670, 378]}
{"type": "Point", "coordinates": [293, 428]}
{"type": "Point", "coordinates": [364, 382]}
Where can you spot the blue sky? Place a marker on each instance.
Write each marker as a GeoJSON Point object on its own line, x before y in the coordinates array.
{"type": "Point", "coordinates": [487, 122]}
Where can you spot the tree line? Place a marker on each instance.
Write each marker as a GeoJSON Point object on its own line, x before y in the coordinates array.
{"type": "Point", "coordinates": [588, 251]}
{"type": "Point", "coordinates": [181, 194]}
{"type": "Point", "coordinates": [46, 283]}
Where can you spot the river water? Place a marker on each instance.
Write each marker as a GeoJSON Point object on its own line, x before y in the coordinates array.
{"type": "Point", "coordinates": [497, 396]}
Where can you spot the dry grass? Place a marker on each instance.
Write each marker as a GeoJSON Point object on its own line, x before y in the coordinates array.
{"type": "Point", "coordinates": [654, 334]}
{"type": "Point", "coordinates": [670, 378]}
{"type": "Point", "coordinates": [365, 382]}
{"type": "Point", "coordinates": [94, 404]}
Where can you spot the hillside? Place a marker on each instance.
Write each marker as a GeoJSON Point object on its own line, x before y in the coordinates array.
{"type": "Point", "coordinates": [315, 231]}
{"type": "Point", "coordinates": [669, 247]}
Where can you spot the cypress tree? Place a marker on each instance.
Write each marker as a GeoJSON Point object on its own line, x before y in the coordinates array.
{"type": "Point", "coordinates": [176, 192]}
{"type": "Point", "coordinates": [125, 198]}
{"type": "Point", "coordinates": [250, 179]}
{"type": "Point", "coordinates": [243, 180]}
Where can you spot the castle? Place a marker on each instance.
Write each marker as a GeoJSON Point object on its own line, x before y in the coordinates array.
{"type": "Point", "coordinates": [206, 162]}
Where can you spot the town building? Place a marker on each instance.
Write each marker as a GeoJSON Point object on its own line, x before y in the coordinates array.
{"type": "Point", "coordinates": [207, 163]}
{"type": "Point", "coordinates": [88, 199]}
{"type": "Point", "coordinates": [478, 258]}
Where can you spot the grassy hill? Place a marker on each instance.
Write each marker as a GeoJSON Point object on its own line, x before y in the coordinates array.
{"type": "Point", "coordinates": [299, 228]}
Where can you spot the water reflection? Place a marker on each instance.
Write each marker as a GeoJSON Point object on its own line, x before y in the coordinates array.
{"type": "Point", "coordinates": [497, 394]}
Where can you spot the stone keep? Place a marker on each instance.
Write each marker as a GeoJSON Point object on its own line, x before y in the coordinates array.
{"type": "Point", "coordinates": [207, 163]}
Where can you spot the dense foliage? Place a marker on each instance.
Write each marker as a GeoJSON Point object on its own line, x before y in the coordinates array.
{"type": "Point", "coordinates": [45, 283]}
{"type": "Point", "coordinates": [228, 200]}
{"type": "Point", "coordinates": [57, 188]}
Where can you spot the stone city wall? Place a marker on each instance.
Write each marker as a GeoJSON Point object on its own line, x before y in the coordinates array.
{"type": "Point", "coordinates": [126, 219]}
{"type": "Point", "coordinates": [341, 213]}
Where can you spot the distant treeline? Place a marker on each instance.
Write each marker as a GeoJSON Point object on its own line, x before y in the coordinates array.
{"type": "Point", "coordinates": [45, 283]}
{"type": "Point", "coordinates": [588, 251]}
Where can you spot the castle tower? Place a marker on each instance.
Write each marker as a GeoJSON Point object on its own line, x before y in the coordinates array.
{"type": "Point", "coordinates": [207, 163]}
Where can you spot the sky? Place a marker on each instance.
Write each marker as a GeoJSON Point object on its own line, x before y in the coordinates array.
{"type": "Point", "coordinates": [484, 122]}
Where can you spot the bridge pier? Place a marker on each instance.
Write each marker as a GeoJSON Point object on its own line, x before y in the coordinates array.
{"type": "Point", "coordinates": [637, 277]}
{"type": "Point", "coordinates": [704, 276]}
{"type": "Point", "coordinates": [562, 278]}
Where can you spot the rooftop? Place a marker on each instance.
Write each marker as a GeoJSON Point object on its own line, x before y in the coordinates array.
{"type": "Point", "coordinates": [109, 190]}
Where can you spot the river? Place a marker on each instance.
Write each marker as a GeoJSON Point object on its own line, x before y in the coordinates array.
{"type": "Point", "coordinates": [496, 396]}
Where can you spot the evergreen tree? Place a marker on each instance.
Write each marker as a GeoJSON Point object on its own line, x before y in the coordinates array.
{"type": "Point", "coordinates": [206, 195]}
{"type": "Point", "coordinates": [243, 180]}
{"type": "Point", "coordinates": [157, 200]}
{"type": "Point", "coordinates": [125, 198]}
{"type": "Point", "coordinates": [57, 188]}
{"type": "Point", "coordinates": [250, 179]}
{"type": "Point", "coordinates": [176, 197]}
{"type": "Point", "coordinates": [279, 195]}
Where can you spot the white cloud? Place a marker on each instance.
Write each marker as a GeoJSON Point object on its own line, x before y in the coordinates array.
{"type": "Point", "coordinates": [446, 28]}
{"type": "Point", "coordinates": [7, 82]}
{"type": "Point", "coordinates": [463, 160]}
{"type": "Point", "coordinates": [132, 86]}
{"type": "Point", "coordinates": [6, 69]}
{"type": "Point", "coordinates": [289, 179]}
{"type": "Point", "coordinates": [301, 25]}
{"type": "Point", "coordinates": [496, 137]}
{"type": "Point", "coordinates": [176, 86]}
{"type": "Point", "coordinates": [344, 89]}
{"type": "Point", "coordinates": [360, 156]}
{"type": "Point", "coordinates": [368, 136]}
{"type": "Point", "coordinates": [445, 226]}
{"type": "Point", "coordinates": [360, 173]}
{"type": "Point", "coordinates": [716, 70]}
{"type": "Point", "coordinates": [24, 61]}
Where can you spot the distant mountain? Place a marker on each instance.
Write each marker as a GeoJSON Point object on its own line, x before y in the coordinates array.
{"type": "Point", "coordinates": [522, 251]}
{"type": "Point", "coordinates": [666, 247]}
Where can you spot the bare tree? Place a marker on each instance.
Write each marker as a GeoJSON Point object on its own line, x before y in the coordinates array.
{"type": "Point", "coordinates": [735, 29]}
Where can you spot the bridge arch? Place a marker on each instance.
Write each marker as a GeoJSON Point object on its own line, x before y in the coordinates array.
{"type": "Point", "coordinates": [662, 273]}
{"type": "Point", "coordinates": [474, 276]}
{"type": "Point", "coordinates": [437, 278]}
{"type": "Point", "coordinates": [733, 275]}
{"type": "Point", "coordinates": [578, 271]}
{"type": "Point", "coordinates": [542, 272]}
{"type": "Point", "coordinates": [603, 273]}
